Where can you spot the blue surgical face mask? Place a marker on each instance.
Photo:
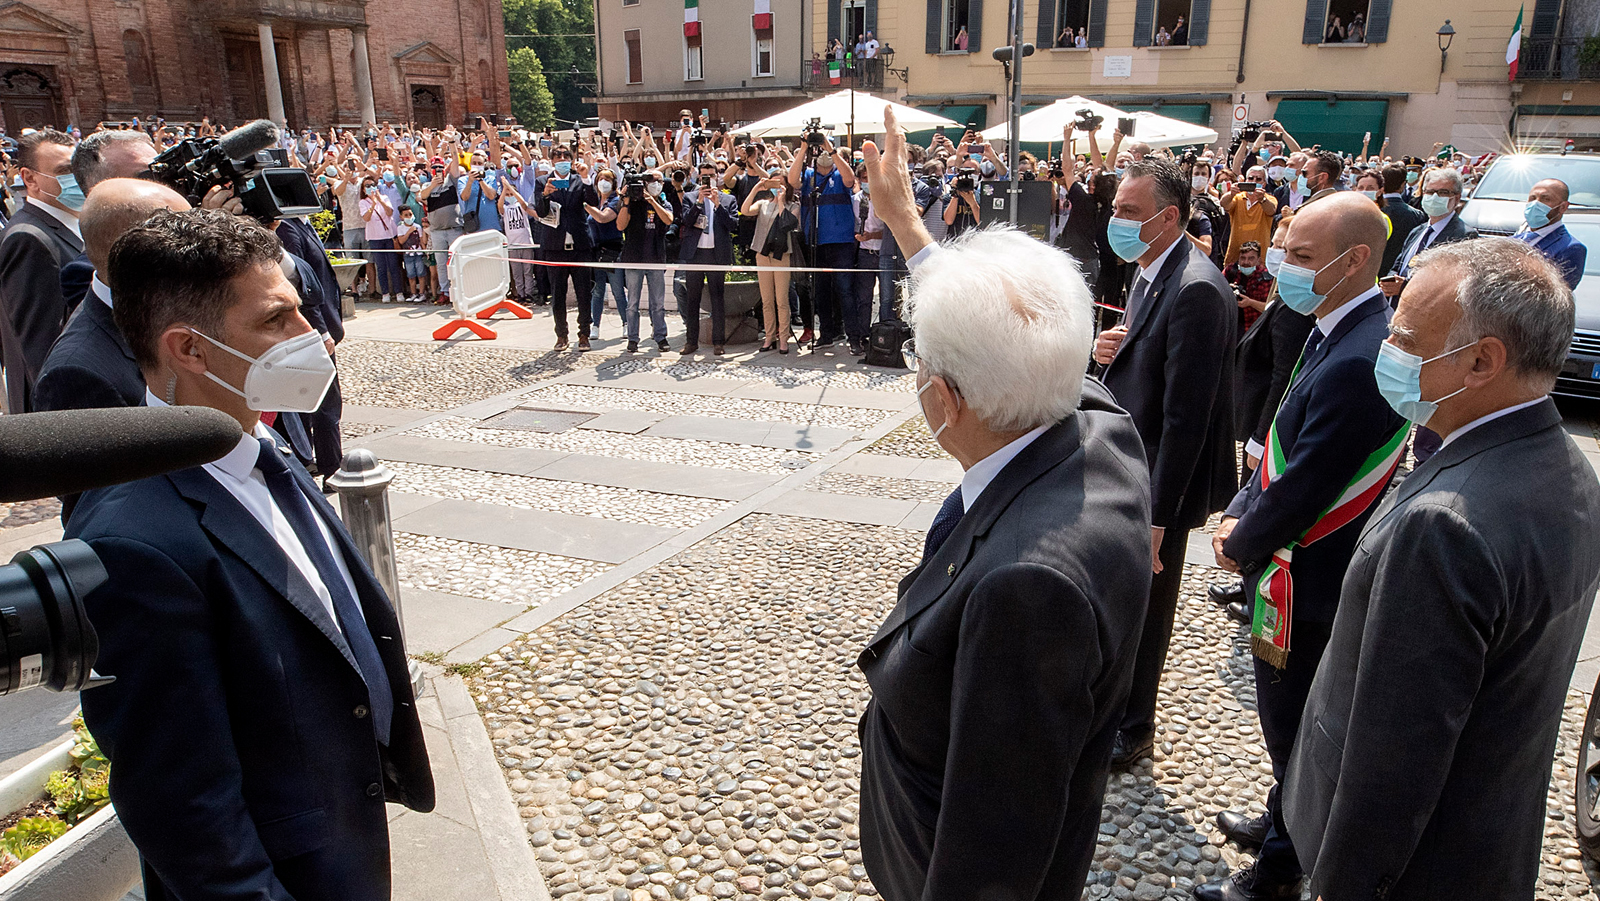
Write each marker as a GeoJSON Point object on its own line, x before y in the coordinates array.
{"type": "Point", "coordinates": [71, 196]}
{"type": "Point", "coordinates": [1124, 235]}
{"type": "Point", "coordinates": [1399, 376]}
{"type": "Point", "coordinates": [1411, 177]}
{"type": "Point", "coordinates": [1275, 257]}
{"type": "Point", "coordinates": [388, 178]}
{"type": "Point", "coordinates": [331, 172]}
{"type": "Point", "coordinates": [1296, 286]}
{"type": "Point", "coordinates": [1370, 195]}
{"type": "Point", "coordinates": [1247, 270]}
{"type": "Point", "coordinates": [563, 167]}
{"type": "Point", "coordinates": [650, 162]}
{"type": "Point", "coordinates": [1120, 169]}
{"type": "Point", "coordinates": [1537, 214]}
{"type": "Point", "coordinates": [1435, 205]}
{"type": "Point", "coordinates": [1300, 185]}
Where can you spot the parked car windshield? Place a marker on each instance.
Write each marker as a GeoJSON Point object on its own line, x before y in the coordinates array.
{"type": "Point", "coordinates": [1511, 176]}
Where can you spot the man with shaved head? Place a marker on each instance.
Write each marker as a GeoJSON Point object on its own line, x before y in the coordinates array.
{"type": "Point", "coordinates": [1332, 449]}
{"type": "Point", "coordinates": [90, 365]}
{"type": "Point", "coordinates": [1547, 204]}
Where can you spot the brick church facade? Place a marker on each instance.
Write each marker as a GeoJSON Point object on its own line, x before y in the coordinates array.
{"type": "Point", "coordinates": [80, 62]}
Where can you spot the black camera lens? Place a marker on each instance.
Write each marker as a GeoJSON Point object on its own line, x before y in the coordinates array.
{"type": "Point", "coordinates": [45, 635]}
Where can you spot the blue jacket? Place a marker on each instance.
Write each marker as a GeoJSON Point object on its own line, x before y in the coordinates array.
{"type": "Point", "coordinates": [1331, 419]}
{"type": "Point", "coordinates": [245, 759]}
{"type": "Point", "coordinates": [692, 220]}
{"type": "Point", "coordinates": [1562, 249]}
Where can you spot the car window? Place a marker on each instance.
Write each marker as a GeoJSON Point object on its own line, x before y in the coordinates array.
{"type": "Point", "coordinates": [1511, 176]}
{"type": "Point", "coordinates": [1587, 233]}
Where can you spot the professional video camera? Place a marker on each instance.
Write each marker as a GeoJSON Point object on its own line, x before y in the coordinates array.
{"type": "Point", "coordinates": [1253, 130]}
{"type": "Point", "coordinates": [633, 181]}
{"type": "Point", "coordinates": [1057, 169]}
{"type": "Point", "coordinates": [965, 182]}
{"type": "Point", "coordinates": [1087, 120]}
{"type": "Point", "coordinates": [45, 635]}
{"type": "Point", "coordinates": [246, 160]}
{"type": "Point", "coordinates": [815, 135]}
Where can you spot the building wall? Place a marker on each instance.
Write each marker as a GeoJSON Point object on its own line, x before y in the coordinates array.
{"type": "Point", "coordinates": [78, 45]}
{"type": "Point", "coordinates": [730, 88]}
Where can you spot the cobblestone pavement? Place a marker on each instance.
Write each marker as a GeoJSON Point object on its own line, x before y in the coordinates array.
{"type": "Point", "coordinates": [689, 733]}
{"type": "Point", "coordinates": [26, 513]}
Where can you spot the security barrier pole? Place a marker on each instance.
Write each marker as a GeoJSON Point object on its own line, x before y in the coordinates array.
{"type": "Point", "coordinates": [363, 485]}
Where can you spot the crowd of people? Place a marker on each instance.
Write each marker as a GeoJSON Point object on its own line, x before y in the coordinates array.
{"type": "Point", "coordinates": [1330, 314]}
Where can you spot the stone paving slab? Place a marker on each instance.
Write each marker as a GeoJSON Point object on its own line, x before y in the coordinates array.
{"type": "Point", "coordinates": [404, 504]}
{"type": "Point", "coordinates": [872, 511]}
{"type": "Point", "coordinates": [896, 467]}
{"type": "Point", "coordinates": [436, 621]}
{"type": "Point", "coordinates": [892, 401]}
{"type": "Point", "coordinates": [778, 435]}
{"type": "Point", "coordinates": [465, 454]}
{"type": "Point", "coordinates": [583, 537]}
{"type": "Point", "coordinates": [651, 380]}
{"type": "Point", "coordinates": [389, 416]}
{"type": "Point", "coordinates": [630, 422]}
{"type": "Point", "coordinates": [670, 478]}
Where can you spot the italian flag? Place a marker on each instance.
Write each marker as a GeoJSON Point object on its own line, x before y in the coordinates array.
{"type": "Point", "coordinates": [1514, 48]}
{"type": "Point", "coordinates": [833, 72]}
{"type": "Point", "coordinates": [691, 11]}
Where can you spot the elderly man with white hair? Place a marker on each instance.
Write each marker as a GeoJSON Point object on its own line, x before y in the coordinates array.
{"type": "Point", "coordinates": [999, 678]}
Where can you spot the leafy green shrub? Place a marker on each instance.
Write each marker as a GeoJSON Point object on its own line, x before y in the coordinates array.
{"type": "Point", "coordinates": [30, 835]}
{"type": "Point", "coordinates": [324, 223]}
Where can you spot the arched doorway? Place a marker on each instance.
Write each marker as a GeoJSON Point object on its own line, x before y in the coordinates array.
{"type": "Point", "coordinates": [427, 105]}
{"type": "Point", "coordinates": [29, 99]}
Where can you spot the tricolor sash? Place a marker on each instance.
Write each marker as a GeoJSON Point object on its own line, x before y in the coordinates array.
{"type": "Point", "coordinates": [1271, 623]}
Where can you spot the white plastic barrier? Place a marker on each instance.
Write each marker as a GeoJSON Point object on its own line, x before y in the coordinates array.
{"type": "Point", "coordinates": [480, 272]}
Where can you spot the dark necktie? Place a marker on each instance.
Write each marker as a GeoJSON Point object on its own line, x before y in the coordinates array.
{"type": "Point", "coordinates": [1427, 238]}
{"type": "Point", "coordinates": [296, 508]}
{"type": "Point", "coordinates": [944, 523]}
{"type": "Point", "coordinates": [1141, 289]}
{"type": "Point", "coordinates": [1313, 341]}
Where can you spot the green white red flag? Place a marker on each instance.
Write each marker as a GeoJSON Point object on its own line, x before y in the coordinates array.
{"type": "Point", "coordinates": [1514, 48]}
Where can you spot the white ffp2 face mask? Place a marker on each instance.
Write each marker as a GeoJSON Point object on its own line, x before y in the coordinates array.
{"type": "Point", "coordinates": [936, 431]}
{"type": "Point", "coordinates": [291, 377]}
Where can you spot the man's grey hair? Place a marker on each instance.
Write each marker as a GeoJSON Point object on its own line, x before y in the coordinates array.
{"type": "Point", "coordinates": [1510, 291]}
{"type": "Point", "coordinates": [1008, 321]}
{"type": "Point", "coordinates": [1453, 176]}
{"type": "Point", "coordinates": [89, 157]}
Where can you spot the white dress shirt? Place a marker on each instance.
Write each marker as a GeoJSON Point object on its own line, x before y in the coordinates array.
{"type": "Point", "coordinates": [237, 473]}
{"type": "Point", "coordinates": [101, 290]}
{"type": "Point", "coordinates": [708, 239]}
{"type": "Point", "coordinates": [1149, 273]}
{"type": "Point", "coordinates": [60, 215]}
{"type": "Point", "coordinates": [1488, 418]}
{"type": "Point", "coordinates": [976, 479]}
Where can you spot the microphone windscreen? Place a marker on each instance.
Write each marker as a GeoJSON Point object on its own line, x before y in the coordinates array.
{"type": "Point", "coordinates": [71, 451]}
{"type": "Point", "coordinates": [243, 142]}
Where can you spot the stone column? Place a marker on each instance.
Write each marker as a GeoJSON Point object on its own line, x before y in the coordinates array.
{"type": "Point", "coordinates": [363, 74]}
{"type": "Point", "coordinates": [269, 73]}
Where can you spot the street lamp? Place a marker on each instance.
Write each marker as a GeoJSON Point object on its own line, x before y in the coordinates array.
{"type": "Point", "coordinates": [887, 53]}
{"type": "Point", "coordinates": [1446, 34]}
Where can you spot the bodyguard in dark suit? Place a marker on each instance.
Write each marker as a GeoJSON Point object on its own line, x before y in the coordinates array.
{"type": "Point", "coordinates": [98, 158]}
{"type": "Point", "coordinates": [1332, 449]}
{"type": "Point", "coordinates": [1171, 367]}
{"type": "Point", "coordinates": [318, 285]}
{"type": "Point", "coordinates": [705, 231]}
{"type": "Point", "coordinates": [41, 238]}
{"type": "Point", "coordinates": [262, 712]}
{"type": "Point", "coordinates": [1403, 217]}
{"type": "Point", "coordinates": [1423, 759]}
{"type": "Point", "coordinates": [999, 677]}
{"type": "Point", "coordinates": [1547, 205]}
{"type": "Point", "coordinates": [566, 239]}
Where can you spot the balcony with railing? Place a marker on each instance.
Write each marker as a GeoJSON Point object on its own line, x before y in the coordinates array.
{"type": "Point", "coordinates": [1560, 59]}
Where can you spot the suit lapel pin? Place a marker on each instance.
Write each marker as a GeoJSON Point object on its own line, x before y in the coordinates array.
{"type": "Point", "coordinates": [951, 570]}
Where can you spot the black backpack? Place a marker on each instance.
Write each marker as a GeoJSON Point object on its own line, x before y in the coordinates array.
{"type": "Point", "coordinates": [884, 342]}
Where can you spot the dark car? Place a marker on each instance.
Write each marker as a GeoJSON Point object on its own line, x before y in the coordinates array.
{"type": "Point", "coordinates": [1496, 209]}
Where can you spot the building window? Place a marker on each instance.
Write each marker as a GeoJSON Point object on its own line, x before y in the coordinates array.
{"type": "Point", "coordinates": [1346, 22]}
{"type": "Point", "coordinates": [1072, 23]}
{"type": "Point", "coordinates": [635, 57]}
{"type": "Point", "coordinates": [630, 2]}
{"type": "Point", "coordinates": [1171, 23]}
{"type": "Point", "coordinates": [764, 54]}
{"type": "Point", "coordinates": [955, 25]}
{"type": "Point", "coordinates": [693, 68]}
{"type": "Point", "coordinates": [133, 54]}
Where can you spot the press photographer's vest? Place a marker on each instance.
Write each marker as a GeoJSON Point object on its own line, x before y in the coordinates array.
{"type": "Point", "coordinates": [835, 219]}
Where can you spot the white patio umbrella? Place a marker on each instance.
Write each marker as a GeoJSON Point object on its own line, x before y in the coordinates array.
{"type": "Point", "coordinates": [1044, 126]}
{"type": "Point", "coordinates": [835, 110]}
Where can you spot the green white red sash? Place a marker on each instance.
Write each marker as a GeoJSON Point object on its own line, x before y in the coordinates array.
{"type": "Point", "coordinates": [1271, 624]}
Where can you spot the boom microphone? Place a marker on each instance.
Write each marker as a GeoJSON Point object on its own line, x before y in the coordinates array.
{"type": "Point", "coordinates": [72, 451]}
{"type": "Point", "coordinates": [246, 140]}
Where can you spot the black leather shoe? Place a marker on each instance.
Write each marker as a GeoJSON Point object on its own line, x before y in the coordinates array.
{"type": "Point", "coordinates": [1239, 613]}
{"type": "Point", "coordinates": [1245, 831]}
{"type": "Point", "coordinates": [1244, 886]}
{"type": "Point", "coordinates": [1131, 747]}
{"type": "Point", "coordinates": [1223, 595]}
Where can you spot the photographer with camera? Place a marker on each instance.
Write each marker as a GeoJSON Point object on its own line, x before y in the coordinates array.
{"type": "Point", "coordinates": [824, 181]}
{"type": "Point", "coordinates": [963, 213]}
{"type": "Point", "coordinates": [644, 218]}
{"type": "Point", "coordinates": [200, 624]}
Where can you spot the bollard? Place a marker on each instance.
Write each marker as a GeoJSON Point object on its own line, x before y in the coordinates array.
{"type": "Point", "coordinates": [363, 485]}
